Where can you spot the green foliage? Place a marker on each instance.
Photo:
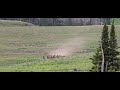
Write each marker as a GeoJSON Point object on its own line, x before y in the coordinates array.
{"type": "Point", "coordinates": [97, 58]}
{"type": "Point", "coordinates": [109, 46]}
{"type": "Point", "coordinates": [105, 44]}
{"type": "Point", "coordinates": [113, 60]}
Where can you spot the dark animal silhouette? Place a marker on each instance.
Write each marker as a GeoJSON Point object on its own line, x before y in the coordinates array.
{"type": "Point", "coordinates": [54, 56]}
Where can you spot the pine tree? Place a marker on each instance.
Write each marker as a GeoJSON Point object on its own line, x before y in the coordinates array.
{"type": "Point", "coordinates": [97, 58]}
{"type": "Point", "coordinates": [114, 60]}
{"type": "Point", "coordinates": [109, 47]}
{"type": "Point", "coordinates": [105, 44]}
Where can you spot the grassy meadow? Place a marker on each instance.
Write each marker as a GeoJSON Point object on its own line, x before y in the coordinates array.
{"type": "Point", "coordinates": [22, 47]}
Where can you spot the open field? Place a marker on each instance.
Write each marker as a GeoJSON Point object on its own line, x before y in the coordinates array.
{"type": "Point", "coordinates": [22, 48]}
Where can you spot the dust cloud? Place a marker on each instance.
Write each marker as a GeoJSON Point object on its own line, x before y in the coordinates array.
{"type": "Point", "coordinates": [67, 48]}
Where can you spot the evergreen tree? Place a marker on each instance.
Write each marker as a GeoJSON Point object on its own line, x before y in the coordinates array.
{"type": "Point", "coordinates": [97, 58]}
{"type": "Point", "coordinates": [109, 47]}
{"type": "Point", "coordinates": [105, 44]}
{"type": "Point", "coordinates": [114, 60]}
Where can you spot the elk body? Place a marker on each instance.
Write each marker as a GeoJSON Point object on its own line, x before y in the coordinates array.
{"type": "Point", "coordinates": [54, 56]}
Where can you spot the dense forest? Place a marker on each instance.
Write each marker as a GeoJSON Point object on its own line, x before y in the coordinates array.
{"type": "Point", "coordinates": [62, 21]}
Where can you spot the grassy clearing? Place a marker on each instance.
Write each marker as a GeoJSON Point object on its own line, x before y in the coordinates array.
{"type": "Point", "coordinates": [22, 48]}
{"type": "Point", "coordinates": [36, 64]}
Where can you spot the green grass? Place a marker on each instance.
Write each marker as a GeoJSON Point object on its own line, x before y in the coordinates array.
{"type": "Point", "coordinates": [22, 48]}
{"type": "Point", "coordinates": [36, 64]}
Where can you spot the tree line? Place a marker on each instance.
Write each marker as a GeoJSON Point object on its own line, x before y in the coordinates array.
{"type": "Point", "coordinates": [62, 21]}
